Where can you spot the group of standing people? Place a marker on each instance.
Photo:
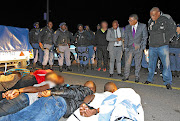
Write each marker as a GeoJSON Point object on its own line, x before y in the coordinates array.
{"type": "Point", "coordinates": [131, 41]}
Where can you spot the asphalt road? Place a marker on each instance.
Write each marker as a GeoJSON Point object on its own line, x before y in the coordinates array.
{"type": "Point", "coordinates": [159, 103]}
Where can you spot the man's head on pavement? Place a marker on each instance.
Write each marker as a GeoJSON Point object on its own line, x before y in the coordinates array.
{"type": "Point", "coordinates": [53, 77]}
{"type": "Point", "coordinates": [133, 19]}
{"type": "Point", "coordinates": [110, 87]}
{"type": "Point", "coordinates": [91, 85]}
{"type": "Point", "coordinates": [155, 13]}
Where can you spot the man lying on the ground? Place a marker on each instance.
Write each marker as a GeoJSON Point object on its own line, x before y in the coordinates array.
{"type": "Point", "coordinates": [64, 102]}
{"type": "Point", "coordinates": [18, 99]}
{"type": "Point", "coordinates": [112, 105]}
{"type": "Point", "coordinates": [16, 81]}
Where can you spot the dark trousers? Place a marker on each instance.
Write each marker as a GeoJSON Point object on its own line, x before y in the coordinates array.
{"type": "Point", "coordinates": [12, 106]}
{"type": "Point", "coordinates": [102, 55]}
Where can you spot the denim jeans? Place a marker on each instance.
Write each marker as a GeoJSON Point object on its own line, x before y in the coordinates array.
{"type": "Point", "coordinates": [174, 59]}
{"type": "Point", "coordinates": [45, 109]}
{"type": "Point", "coordinates": [83, 55]}
{"type": "Point", "coordinates": [91, 53]}
{"type": "Point", "coordinates": [12, 106]}
{"type": "Point", "coordinates": [163, 53]}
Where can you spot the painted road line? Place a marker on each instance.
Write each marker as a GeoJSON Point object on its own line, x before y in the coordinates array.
{"type": "Point", "coordinates": [112, 79]}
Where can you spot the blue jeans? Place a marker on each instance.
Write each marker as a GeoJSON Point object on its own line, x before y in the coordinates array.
{"type": "Point", "coordinates": [91, 53]}
{"type": "Point", "coordinates": [83, 55]}
{"type": "Point", "coordinates": [163, 53]}
{"type": "Point", "coordinates": [45, 109]}
{"type": "Point", "coordinates": [12, 106]}
{"type": "Point", "coordinates": [174, 59]}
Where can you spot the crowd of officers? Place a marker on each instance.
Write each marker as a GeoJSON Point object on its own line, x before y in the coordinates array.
{"type": "Point", "coordinates": [111, 43]}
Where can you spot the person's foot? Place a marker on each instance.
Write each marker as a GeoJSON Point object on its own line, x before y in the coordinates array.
{"type": "Point", "coordinates": [120, 75]}
{"type": "Point", "coordinates": [110, 75]}
{"type": "Point", "coordinates": [92, 67]}
{"type": "Point", "coordinates": [43, 67]}
{"type": "Point", "coordinates": [69, 68]}
{"type": "Point", "coordinates": [84, 69]}
{"type": "Point", "coordinates": [99, 69]}
{"type": "Point", "coordinates": [168, 86]}
{"type": "Point", "coordinates": [147, 82]}
{"type": "Point", "coordinates": [137, 79]}
{"type": "Point", "coordinates": [51, 67]}
{"type": "Point", "coordinates": [104, 69]}
{"type": "Point", "coordinates": [125, 79]}
{"type": "Point", "coordinates": [60, 68]}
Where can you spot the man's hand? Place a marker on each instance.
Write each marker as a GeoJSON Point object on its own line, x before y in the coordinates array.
{"type": "Point", "coordinates": [85, 111]}
{"type": "Point", "coordinates": [95, 48]}
{"type": "Point", "coordinates": [11, 94]}
{"type": "Point", "coordinates": [45, 93]}
{"type": "Point", "coordinates": [41, 45]}
{"type": "Point", "coordinates": [119, 39]}
{"type": "Point", "coordinates": [57, 49]}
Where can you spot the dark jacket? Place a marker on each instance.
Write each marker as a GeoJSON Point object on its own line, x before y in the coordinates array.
{"type": "Point", "coordinates": [100, 38]}
{"type": "Point", "coordinates": [61, 37]}
{"type": "Point", "coordinates": [74, 96]}
{"type": "Point", "coordinates": [91, 33]}
{"type": "Point", "coordinates": [162, 31]}
{"type": "Point", "coordinates": [46, 36]}
{"type": "Point", "coordinates": [175, 43]}
{"type": "Point", "coordinates": [83, 39]}
{"type": "Point", "coordinates": [33, 35]}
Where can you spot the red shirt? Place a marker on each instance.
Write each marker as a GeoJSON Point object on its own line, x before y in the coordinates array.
{"type": "Point", "coordinates": [40, 75]}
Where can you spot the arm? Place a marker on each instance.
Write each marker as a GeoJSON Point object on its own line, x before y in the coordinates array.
{"type": "Point", "coordinates": [30, 36]}
{"type": "Point", "coordinates": [126, 39]}
{"type": "Point", "coordinates": [55, 36]}
{"type": "Point", "coordinates": [109, 38]}
{"type": "Point", "coordinates": [144, 38]}
{"type": "Point", "coordinates": [11, 94]}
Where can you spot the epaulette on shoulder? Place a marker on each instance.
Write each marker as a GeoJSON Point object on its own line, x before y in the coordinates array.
{"type": "Point", "coordinates": [149, 20]}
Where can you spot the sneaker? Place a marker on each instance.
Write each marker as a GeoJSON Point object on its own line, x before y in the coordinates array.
{"type": "Point", "coordinates": [168, 86]}
{"type": "Point", "coordinates": [104, 69]}
{"type": "Point", "coordinates": [99, 69]}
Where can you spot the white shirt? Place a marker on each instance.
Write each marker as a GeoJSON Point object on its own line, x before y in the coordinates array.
{"type": "Point", "coordinates": [34, 96]}
{"type": "Point", "coordinates": [135, 27]}
{"type": "Point", "coordinates": [117, 35]}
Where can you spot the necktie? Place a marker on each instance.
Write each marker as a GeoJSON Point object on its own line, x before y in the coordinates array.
{"type": "Point", "coordinates": [133, 33]}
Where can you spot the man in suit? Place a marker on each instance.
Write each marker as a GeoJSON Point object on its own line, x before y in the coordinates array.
{"type": "Point", "coordinates": [135, 42]}
{"type": "Point", "coordinates": [114, 36]}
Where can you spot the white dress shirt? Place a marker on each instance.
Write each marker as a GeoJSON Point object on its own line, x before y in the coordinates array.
{"type": "Point", "coordinates": [135, 27]}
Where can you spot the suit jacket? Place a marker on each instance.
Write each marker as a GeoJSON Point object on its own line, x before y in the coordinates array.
{"type": "Point", "coordinates": [111, 38]}
{"type": "Point", "coordinates": [139, 39]}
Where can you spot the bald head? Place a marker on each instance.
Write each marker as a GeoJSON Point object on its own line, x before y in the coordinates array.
{"type": "Point", "coordinates": [110, 87]}
{"type": "Point", "coordinates": [91, 85]}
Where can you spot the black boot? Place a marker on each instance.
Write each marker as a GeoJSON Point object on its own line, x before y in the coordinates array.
{"type": "Point", "coordinates": [51, 67]}
{"type": "Point", "coordinates": [83, 68]}
{"type": "Point", "coordinates": [78, 66]}
{"type": "Point", "coordinates": [60, 69]}
{"type": "Point", "coordinates": [43, 67]}
{"type": "Point", "coordinates": [69, 68]}
{"type": "Point", "coordinates": [92, 67]}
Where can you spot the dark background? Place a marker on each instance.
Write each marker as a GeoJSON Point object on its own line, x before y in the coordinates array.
{"type": "Point", "coordinates": [24, 13]}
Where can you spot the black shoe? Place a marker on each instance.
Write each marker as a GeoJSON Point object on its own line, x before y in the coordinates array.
{"type": "Point", "coordinates": [120, 75]}
{"type": "Point", "coordinates": [136, 80]}
{"type": "Point", "coordinates": [110, 75]}
{"type": "Point", "coordinates": [147, 82]}
{"type": "Point", "coordinates": [69, 68]}
{"type": "Point", "coordinates": [60, 69]}
{"type": "Point", "coordinates": [125, 79]}
{"type": "Point", "coordinates": [168, 86]}
{"type": "Point", "coordinates": [84, 69]}
{"type": "Point", "coordinates": [92, 67]}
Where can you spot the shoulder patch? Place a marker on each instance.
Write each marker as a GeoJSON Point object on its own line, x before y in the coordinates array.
{"type": "Point", "coordinates": [55, 32]}
{"type": "Point", "coordinates": [40, 30]}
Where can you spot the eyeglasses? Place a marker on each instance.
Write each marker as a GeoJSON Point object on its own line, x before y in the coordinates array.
{"type": "Point", "coordinates": [130, 20]}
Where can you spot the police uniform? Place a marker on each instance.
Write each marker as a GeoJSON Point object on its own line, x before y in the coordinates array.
{"type": "Point", "coordinates": [33, 39]}
{"type": "Point", "coordinates": [174, 52]}
{"type": "Point", "coordinates": [81, 43]}
{"type": "Point", "coordinates": [61, 39]}
{"type": "Point", "coordinates": [46, 38]}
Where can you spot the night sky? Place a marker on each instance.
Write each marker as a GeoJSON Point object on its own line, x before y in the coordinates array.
{"type": "Point", "coordinates": [24, 13]}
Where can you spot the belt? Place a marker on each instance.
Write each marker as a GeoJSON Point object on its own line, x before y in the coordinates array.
{"type": "Point", "coordinates": [117, 46]}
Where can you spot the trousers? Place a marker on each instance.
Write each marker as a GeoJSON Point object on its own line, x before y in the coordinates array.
{"type": "Point", "coordinates": [64, 52]}
{"type": "Point", "coordinates": [48, 54]}
{"type": "Point", "coordinates": [102, 56]}
{"type": "Point", "coordinates": [83, 55]}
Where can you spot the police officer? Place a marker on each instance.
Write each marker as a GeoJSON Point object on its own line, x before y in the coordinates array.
{"type": "Point", "coordinates": [61, 39]}
{"type": "Point", "coordinates": [90, 46]}
{"type": "Point", "coordinates": [46, 44]}
{"type": "Point", "coordinates": [81, 41]}
{"type": "Point", "coordinates": [33, 39]}
{"type": "Point", "coordinates": [174, 52]}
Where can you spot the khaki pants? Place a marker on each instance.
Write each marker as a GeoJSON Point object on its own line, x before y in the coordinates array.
{"type": "Point", "coordinates": [64, 52]}
{"type": "Point", "coordinates": [48, 54]}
